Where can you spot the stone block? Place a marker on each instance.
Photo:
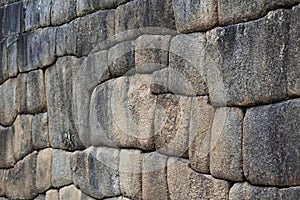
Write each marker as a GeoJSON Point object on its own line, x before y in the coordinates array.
{"type": "Point", "coordinates": [3, 180]}
{"type": "Point", "coordinates": [40, 133]}
{"type": "Point", "coordinates": [66, 37]}
{"type": "Point", "coordinates": [290, 193]}
{"type": "Point", "coordinates": [95, 172]}
{"type": "Point", "coordinates": [226, 144]}
{"type": "Point", "coordinates": [271, 139]}
{"type": "Point", "coordinates": [7, 156]}
{"type": "Point", "coordinates": [246, 63]}
{"type": "Point", "coordinates": [52, 195]}
{"type": "Point", "coordinates": [59, 88]}
{"type": "Point", "coordinates": [21, 179]}
{"type": "Point", "coordinates": [248, 192]}
{"type": "Point", "coordinates": [4, 74]}
{"type": "Point", "coordinates": [94, 29]}
{"type": "Point", "coordinates": [185, 183]}
{"type": "Point", "coordinates": [22, 136]}
{"type": "Point", "coordinates": [200, 134]}
{"type": "Point", "coordinates": [171, 125]}
{"type": "Point", "coordinates": [130, 170]}
{"type": "Point", "coordinates": [61, 168]}
{"type": "Point", "coordinates": [8, 102]}
{"type": "Point", "coordinates": [152, 53]}
{"type": "Point", "coordinates": [194, 16]}
{"type": "Point", "coordinates": [62, 11]}
{"type": "Point", "coordinates": [12, 55]}
{"type": "Point", "coordinates": [154, 177]}
{"type": "Point", "coordinates": [72, 193]}
{"type": "Point", "coordinates": [160, 81]}
{"type": "Point", "coordinates": [44, 170]}
{"type": "Point", "coordinates": [37, 14]}
{"type": "Point", "coordinates": [122, 113]}
{"type": "Point", "coordinates": [13, 19]}
{"type": "Point", "coordinates": [186, 61]}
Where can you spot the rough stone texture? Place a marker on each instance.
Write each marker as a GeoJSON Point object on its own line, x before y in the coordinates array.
{"type": "Point", "coordinates": [66, 36]}
{"type": "Point", "coordinates": [40, 133]}
{"type": "Point", "coordinates": [22, 136]}
{"type": "Point", "coordinates": [12, 61]}
{"type": "Point", "coordinates": [95, 172]}
{"type": "Point", "coordinates": [21, 179]}
{"type": "Point", "coordinates": [186, 58]}
{"type": "Point", "coordinates": [44, 170]}
{"type": "Point", "coordinates": [121, 59]}
{"type": "Point", "coordinates": [52, 195]}
{"type": "Point", "coordinates": [7, 157]}
{"type": "Point", "coordinates": [61, 168]}
{"type": "Point", "coordinates": [122, 112]}
{"type": "Point", "coordinates": [246, 63]}
{"type": "Point", "coordinates": [154, 177]}
{"type": "Point", "coordinates": [226, 144]}
{"type": "Point", "coordinates": [130, 170]}
{"type": "Point", "coordinates": [200, 133]}
{"type": "Point", "coordinates": [271, 144]}
{"type": "Point", "coordinates": [62, 11]}
{"type": "Point", "coordinates": [151, 53]}
{"type": "Point", "coordinates": [171, 125]}
{"type": "Point", "coordinates": [12, 19]}
{"type": "Point", "coordinates": [8, 102]}
{"type": "Point", "coordinates": [59, 87]}
{"type": "Point", "coordinates": [290, 193]}
{"type": "Point", "coordinates": [249, 192]}
{"type": "Point", "coordinates": [195, 15]}
{"type": "Point", "coordinates": [72, 193]}
{"type": "Point", "coordinates": [160, 83]}
{"type": "Point", "coordinates": [4, 74]}
{"type": "Point", "coordinates": [3, 179]}
{"type": "Point", "coordinates": [40, 197]}
{"type": "Point", "coordinates": [37, 14]}
{"type": "Point", "coordinates": [184, 183]}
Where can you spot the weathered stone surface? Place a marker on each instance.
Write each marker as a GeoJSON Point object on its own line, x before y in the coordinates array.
{"type": "Point", "coordinates": [290, 193]}
{"type": "Point", "coordinates": [152, 53]}
{"type": "Point", "coordinates": [40, 133]}
{"type": "Point", "coordinates": [160, 83]}
{"type": "Point", "coordinates": [3, 179]}
{"type": "Point", "coordinates": [199, 15]}
{"type": "Point", "coordinates": [44, 170]}
{"type": "Point", "coordinates": [40, 197]}
{"type": "Point", "coordinates": [246, 63]}
{"type": "Point", "coordinates": [59, 87]}
{"type": "Point", "coordinates": [36, 49]}
{"type": "Point", "coordinates": [4, 74]}
{"type": "Point", "coordinates": [61, 168]}
{"type": "Point", "coordinates": [7, 156]}
{"type": "Point", "coordinates": [62, 11]}
{"type": "Point", "coordinates": [130, 170]}
{"type": "Point", "coordinates": [52, 195]}
{"type": "Point", "coordinates": [95, 172]}
{"type": "Point", "coordinates": [94, 29]}
{"type": "Point", "coordinates": [271, 142]}
{"type": "Point", "coordinates": [118, 198]}
{"type": "Point", "coordinates": [154, 177]}
{"type": "Point", "coordinates": [249, 192]}
{"type": "Point", "coordinates": [8, 102]}
{"type": "Point", "coordinates": [12, 54]}
{"type": "Point", "coordinates": [293, 72]}
{"type": "Point", "coordinates": [21, 179]}
{"type": "Point", "coordinates": [12, 19]}
{"type": "Point", "coordinates": [226, 144]}
{"type": "Point", "coordinates": [122, 112]}
{"type": "Point", "coordinates": [121, 59]}
{"type": "Point", "coordinates": [171, 125]}
{"type": "Point", "coordinates": [199, 133]}
{"type": "Point", "coordinates": [186, 58]}
{"type": "Point", "coordinates": [184, 183]}
{"type": "Point", "coordinates": [22, 136]}
{"type": "Point", "coordinates": [72, 193]}
{"type": "Point", "coordinates": [66, 37]}
{"type": "Point", "coordinates": [37, 14]}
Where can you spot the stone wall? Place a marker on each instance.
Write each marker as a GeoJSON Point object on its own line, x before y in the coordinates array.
{"type": "Point", "coordinates": [149, 99]}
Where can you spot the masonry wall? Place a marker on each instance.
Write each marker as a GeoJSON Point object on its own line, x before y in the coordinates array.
{"type": "Point", "coordinates": [149, 99]}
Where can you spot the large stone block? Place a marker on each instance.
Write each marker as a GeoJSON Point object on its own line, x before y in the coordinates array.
{"type": "Point", "coordinates": [12, 19]}
{"type": "Point", "coordinates": [40, 133]}
{"type": "Point", "coordinates": [195, 15]}
{"type": "Point", "coordinates": [186, 61]}
{"type": "Point", "coordinates": [12, 55]}
{"type": "Point", "coordinates": [62, 11]}
{"type": "Point", "coordinates": [61, 168]}
{"type": "Point", "coordinates": [3, 180]}
{"type": "Point", "coordinates": [290, 193]}
{"type": "Point", "coordinates": [4, 74]}
{"type": "Point", "coordinates": [122, 113]}
{"type": "Point", "coordinates": [72, 193]}
{"type": "Point", "coordinates": [44, 170]}
{"type": "Point", "coordinates": [130, 170]}
{"type": "Point", "coordinates": [95, 172]}
{"type": "Point", "coordinates": [171, 125]}
{"type": "Point", "coordinates": [7, 156]}
{"type": "Point", "coordinates": [226, 144]}
{"type": "Point", "coordinates": [21, 179]}
{"type": "Point", "coordinates": [184, 183]}
{"type": "Point", "coordinates": [246, 63]}
{"type": "Point", "coordinates": [8, 102]}
{"type": "Point", "coordinates": [271, 140]}
{"type": "Point", "coordinates": [37, 14]}
{"type": "Point", "coordinates": [66, 37]}
{"type": "Point", "coordinates": [249, 192]}
{"type": "Point", "coordinates": [200, 134]}
{"type": "Point", "coordinates": [154, 177]}
{"type": "Point", "coordinates": [59, 87]}
{"type": "Point", "coordinates": [52, 195]}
